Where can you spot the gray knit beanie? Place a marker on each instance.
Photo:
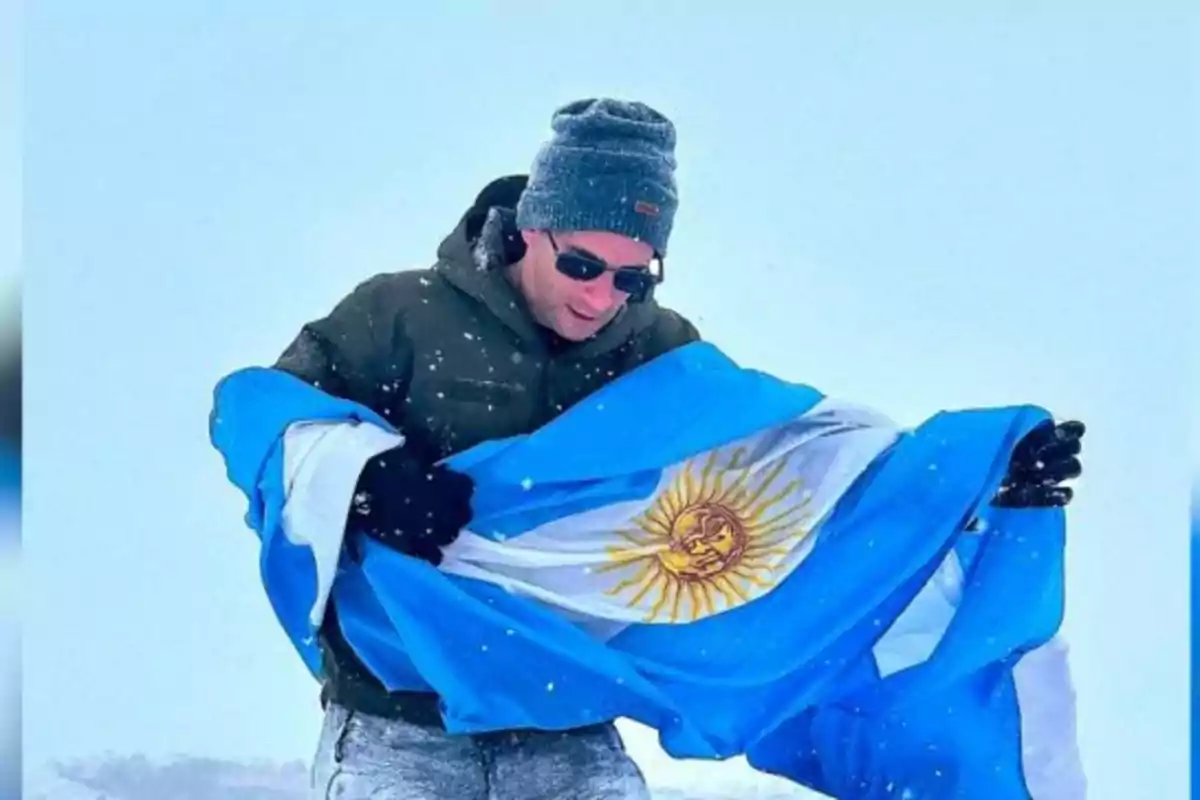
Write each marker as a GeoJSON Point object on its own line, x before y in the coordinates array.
{"type": "Point", "coordinates": [610, 166]}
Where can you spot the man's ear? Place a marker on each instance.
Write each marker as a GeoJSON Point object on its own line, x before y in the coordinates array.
{"type": "Point", "coordinates": [530, 236]}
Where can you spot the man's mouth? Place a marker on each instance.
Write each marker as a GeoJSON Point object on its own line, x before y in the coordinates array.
{"type": "Point", "coordinates": [582, 316]}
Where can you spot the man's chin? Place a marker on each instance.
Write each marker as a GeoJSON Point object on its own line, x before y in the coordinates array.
{"type": "Point", "coordinates": [575, 334]}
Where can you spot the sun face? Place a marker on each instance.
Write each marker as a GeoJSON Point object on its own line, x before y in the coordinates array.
{"type": "Point", "coordinates": [711, 541]}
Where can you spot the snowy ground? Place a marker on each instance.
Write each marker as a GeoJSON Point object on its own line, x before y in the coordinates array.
{"type": "Point", "coordinates": [139, 778]}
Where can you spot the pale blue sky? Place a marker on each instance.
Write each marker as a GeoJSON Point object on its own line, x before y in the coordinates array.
{"type": "Point", "coordinates": [914, 213]}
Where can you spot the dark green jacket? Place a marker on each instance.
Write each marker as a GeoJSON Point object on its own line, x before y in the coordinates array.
{"type": "Point", "coordinates": [453, 355]}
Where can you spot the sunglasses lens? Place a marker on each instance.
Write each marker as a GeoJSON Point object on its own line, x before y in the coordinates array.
{"type": "Point", "coordinates": [579, 267]}
{"type": "Point", "coordinates": [634, 282]}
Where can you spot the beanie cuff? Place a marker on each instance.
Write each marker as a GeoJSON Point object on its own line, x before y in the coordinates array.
{"type": "Point", "coordinates": [546, 211]}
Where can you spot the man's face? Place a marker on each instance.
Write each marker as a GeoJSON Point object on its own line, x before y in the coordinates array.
{"type": "Point", "coordinates": [575, 309]}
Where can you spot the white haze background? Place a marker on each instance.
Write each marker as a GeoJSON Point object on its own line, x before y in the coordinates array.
{"type": "Point", "coordinates": [916, 211]}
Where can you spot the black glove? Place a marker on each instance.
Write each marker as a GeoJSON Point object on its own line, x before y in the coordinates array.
{"type": "Point", "coordinates": [1044, 458]}
{"type": "Point", "coordinates": [408, 502]}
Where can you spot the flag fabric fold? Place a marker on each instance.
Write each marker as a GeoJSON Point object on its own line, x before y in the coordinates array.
{"type": "Point", "coordinates": [742, 563]}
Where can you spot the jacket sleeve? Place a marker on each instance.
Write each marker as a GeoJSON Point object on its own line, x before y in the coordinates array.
{"type": "Point", "coordinates": [358, 348]}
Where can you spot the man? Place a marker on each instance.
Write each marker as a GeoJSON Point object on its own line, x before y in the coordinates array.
{"type": "Point", "coordinates": [541, 295]}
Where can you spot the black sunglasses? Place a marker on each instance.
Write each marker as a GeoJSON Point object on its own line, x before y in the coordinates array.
{"type": "Point", "coordinates": [580, 265]}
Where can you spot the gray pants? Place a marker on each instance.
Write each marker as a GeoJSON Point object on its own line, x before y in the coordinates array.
{"type": "Point", "coordinates": [360, 757]}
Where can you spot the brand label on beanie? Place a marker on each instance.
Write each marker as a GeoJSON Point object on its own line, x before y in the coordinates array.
{"type": "Point", "coordinates": [643, 207]}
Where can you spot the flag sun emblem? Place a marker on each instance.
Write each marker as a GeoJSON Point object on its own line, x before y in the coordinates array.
{"type": "Point", "coordinates": [711, 540]}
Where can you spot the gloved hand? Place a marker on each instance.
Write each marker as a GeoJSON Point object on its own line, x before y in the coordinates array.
{"type": "Point", "coordinates": [1043, 459]}
{"type": "Point", "coordinates": [408, 502]}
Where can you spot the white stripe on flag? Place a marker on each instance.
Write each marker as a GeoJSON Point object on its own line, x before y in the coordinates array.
{"type": "Point", "coordinates": [1050, 759]}
{"type": "Point", "coordinates": [720, 529]}
{"type": "Point", "coordinates": [916, 632]}
{"type": "Point", "coordinates": [322, 462]}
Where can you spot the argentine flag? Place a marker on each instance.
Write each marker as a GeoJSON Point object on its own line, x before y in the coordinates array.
{"type": "Point", "coordinates": [742, 563]}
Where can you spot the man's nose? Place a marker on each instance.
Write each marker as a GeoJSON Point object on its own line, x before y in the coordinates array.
{"type": "Point", "coordinates": [601, 294]}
